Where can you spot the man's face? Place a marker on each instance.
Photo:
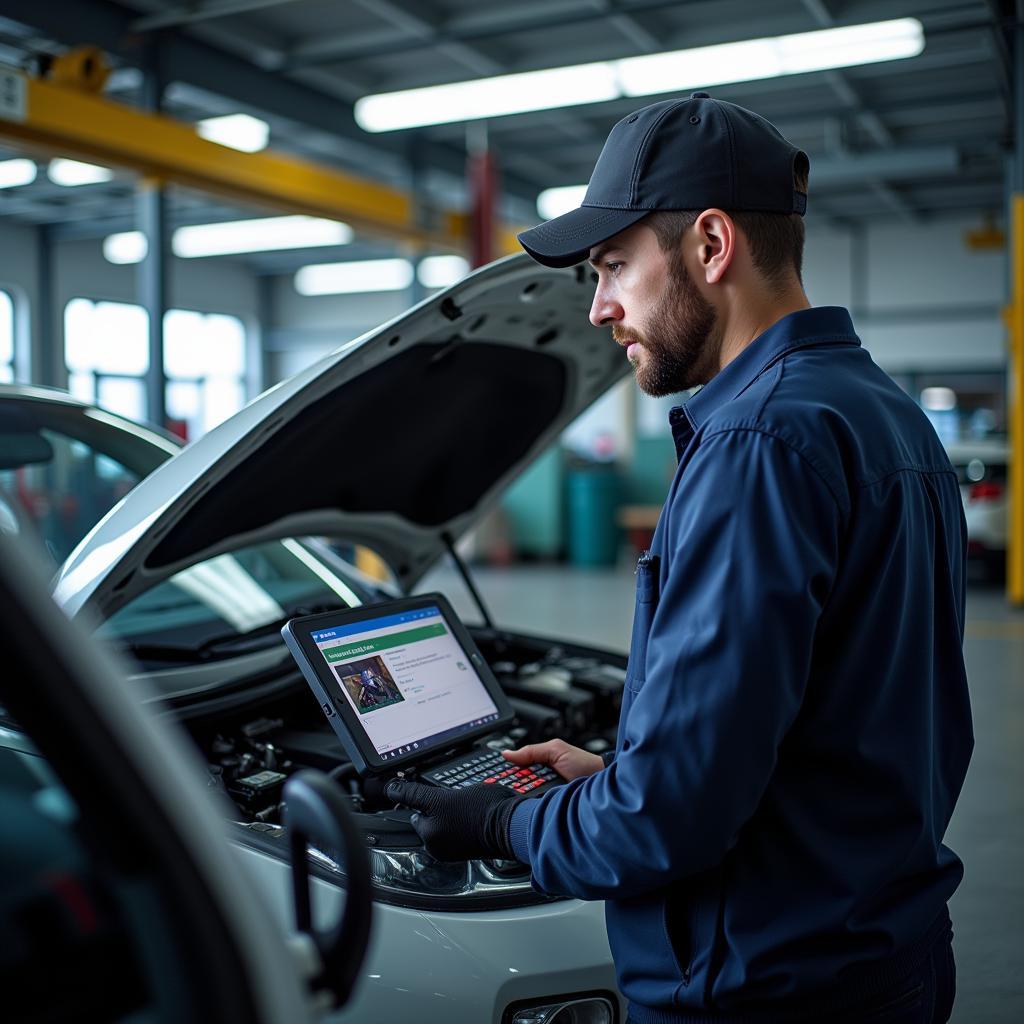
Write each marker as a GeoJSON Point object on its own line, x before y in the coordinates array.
{"type": "Point", "coordinates": [656, 312]}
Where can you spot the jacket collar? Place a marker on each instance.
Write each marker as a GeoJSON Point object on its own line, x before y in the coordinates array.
{"type": "Point", "coordinates": [817, 326]}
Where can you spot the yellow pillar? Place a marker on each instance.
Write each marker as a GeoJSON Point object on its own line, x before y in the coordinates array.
{"type": "Point", "coordinates": [1015, 324]}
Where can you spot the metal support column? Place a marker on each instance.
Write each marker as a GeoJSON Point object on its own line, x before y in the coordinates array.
{"type": "Point", "coordinates": [421, 212]}
{"type": "Point", "coordinates": [262, 371]}
{"type": "Point", "coordinates": [151, 215]}
{"type": "Point", "coordinates": [46, 364]}
{"type": "Point", "coordinates": [1015, 323]}
{"type": "Point", "coordinates": [482, 172]}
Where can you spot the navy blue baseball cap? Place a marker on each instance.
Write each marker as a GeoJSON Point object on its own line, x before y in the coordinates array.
{"type": "Point", "coordinates": [675, 155]}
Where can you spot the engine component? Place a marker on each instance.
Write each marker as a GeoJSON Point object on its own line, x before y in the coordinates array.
{"type": "Point", "coordinates": [541, 723]}
{"type": "Point", "coordinates": [575, 706]}
{"type": "Point", "coordinates": [256, 793]}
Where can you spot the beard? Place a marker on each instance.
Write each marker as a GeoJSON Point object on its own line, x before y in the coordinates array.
{"type": "Point", "coordinates": [679, 341]}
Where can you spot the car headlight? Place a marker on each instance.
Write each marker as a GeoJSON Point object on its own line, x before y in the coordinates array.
{"type": "Point", "coordinates": [413, 879]}
{"type": "Point", "coordinates": [583, 1009]}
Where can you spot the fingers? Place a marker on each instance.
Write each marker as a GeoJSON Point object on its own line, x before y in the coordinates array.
{"type": "Point", "coordinates": [411, 794]}
{"type": "Point", "coordinates": [536, 753]}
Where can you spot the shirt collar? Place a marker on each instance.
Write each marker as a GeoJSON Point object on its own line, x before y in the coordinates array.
{"type": "Point", "coordinates": [816, 326]}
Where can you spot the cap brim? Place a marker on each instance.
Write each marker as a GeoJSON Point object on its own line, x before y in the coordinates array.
{"type": "Point", "coordinates": [568, 239]}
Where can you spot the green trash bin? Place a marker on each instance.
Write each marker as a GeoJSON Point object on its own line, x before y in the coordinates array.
{"type": "Point", "coordinates": [593, 493]}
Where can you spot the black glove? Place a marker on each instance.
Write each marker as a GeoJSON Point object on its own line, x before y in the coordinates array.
{"type": "Point", "coordinates": [459, 824]}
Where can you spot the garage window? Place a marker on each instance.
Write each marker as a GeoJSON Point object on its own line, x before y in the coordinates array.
{"type": "Point", "coordinates": [6, 338]}
{"type": "Point", "coordinates": [107, 353]}
{"type": "Point", "coordinates": [204, 359]}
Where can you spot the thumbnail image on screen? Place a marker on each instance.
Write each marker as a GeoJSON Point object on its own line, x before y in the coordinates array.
{"type": "Point", "coordinates": [370, 684]}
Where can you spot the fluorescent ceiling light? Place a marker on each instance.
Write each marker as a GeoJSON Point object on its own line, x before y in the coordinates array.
{"type": "Point", "coordinates": [938, 399]}
{"type": "Point", "coordinates": [553, 202]}
{"type": "Point", "coordinates": [355, 276]}
{"type": "Point", "coordinates": [703, 66]}
{"type": "Point", "coordinates": [17, 172]}
{"type": "Point", "coordinates": [488, 97]}
{"type": "Point", "coordinates": [774, 57]}
{"type": "Point", "coordinates": [263, 235]}
{"type": "Point", "coordinates": [232, 237]}
{"type": "Point", "coordinates": [237, 131]}
{"type": "Point", "coordinates": [125, 247]}
{"type": "Point", "coordinates": [74, 172]}
{"type": "Point", "coordinates": [441, 271]}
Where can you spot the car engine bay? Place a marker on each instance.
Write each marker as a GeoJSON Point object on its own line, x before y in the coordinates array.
{"type": "Point", "coordinates": [557, 690]}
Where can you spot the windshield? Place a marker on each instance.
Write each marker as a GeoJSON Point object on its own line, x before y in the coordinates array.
{"type": "Point", "coordinates": [63, 466]}
{"type": "Point", "coordinates": [247, 593]}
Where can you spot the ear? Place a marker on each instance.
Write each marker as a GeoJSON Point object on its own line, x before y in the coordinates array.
{"type": "Point", "coordinates": [716, 240]}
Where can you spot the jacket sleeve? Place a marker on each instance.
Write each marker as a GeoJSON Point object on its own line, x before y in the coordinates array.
{"type": "Point", "coordinates": [752, 535]}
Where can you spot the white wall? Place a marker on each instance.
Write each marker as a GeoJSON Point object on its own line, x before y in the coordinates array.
{"type": "Point", "coordinates": [828, 267]}
{"type": "Point", "coordinates": [921, 299]}
{"type": "Point", "coordinates": [19, 277]}
{"type": "Point", "coordinates": [308, 327]}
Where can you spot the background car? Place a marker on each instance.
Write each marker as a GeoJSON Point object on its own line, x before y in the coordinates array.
{"type": "Point", "coordinates": [194, 571]}
{"type": "Point", "coordinates": [65, 463]}
{"type": "Point", "coordinates": [981, 467]}
{"type": "Point", "coordinates": [119, 898]}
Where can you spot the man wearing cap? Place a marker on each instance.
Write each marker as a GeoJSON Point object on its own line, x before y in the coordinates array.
{"type": "Point", "coordinates": [795, 729]}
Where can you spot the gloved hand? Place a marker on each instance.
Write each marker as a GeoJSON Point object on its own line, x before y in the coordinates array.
{"type": "Point", "coordinates": [459, 824]}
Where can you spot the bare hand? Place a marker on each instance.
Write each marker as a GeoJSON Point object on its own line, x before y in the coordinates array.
{"type": "Point", "coordinates": [570, 762]}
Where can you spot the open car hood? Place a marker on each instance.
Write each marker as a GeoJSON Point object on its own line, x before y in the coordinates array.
{"type": "Point", "coordinates": [412, 431]}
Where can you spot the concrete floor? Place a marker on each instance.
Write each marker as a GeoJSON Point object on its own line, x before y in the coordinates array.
{"type": "Point", "coordinates": [987, 831]}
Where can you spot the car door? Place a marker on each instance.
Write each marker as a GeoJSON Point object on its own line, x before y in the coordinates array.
{"type": "Point", "coordinates": [119, 898]}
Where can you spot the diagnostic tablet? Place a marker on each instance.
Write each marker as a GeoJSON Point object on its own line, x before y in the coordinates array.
{"type": "Point", "coordinates": [399, 682]}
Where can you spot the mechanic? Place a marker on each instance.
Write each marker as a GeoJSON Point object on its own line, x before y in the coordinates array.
{"type": "Point", "coordinates": [795, 728]}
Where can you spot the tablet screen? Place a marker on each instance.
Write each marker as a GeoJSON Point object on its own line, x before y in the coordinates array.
{"type": "Point", "coordinates": [407, 678]}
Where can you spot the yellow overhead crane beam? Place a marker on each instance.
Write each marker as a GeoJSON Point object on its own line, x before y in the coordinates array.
{"type": "Point", "coordinates": [70, 120]}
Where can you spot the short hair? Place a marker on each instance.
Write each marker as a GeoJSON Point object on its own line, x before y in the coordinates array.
{"type": "Point", "coordinates": [776, 239]}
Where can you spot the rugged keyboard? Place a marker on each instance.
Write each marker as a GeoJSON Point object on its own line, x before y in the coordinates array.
{"type": "Point", "coordinates": [490, 768]}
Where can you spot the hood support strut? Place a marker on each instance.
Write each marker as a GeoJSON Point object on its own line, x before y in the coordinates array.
{"type": "Point", "coordinates": [449, 543]}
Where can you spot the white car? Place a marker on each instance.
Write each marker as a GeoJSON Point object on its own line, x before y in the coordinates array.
{"type": "Point", "coordinates": [119, 897]}
{"type": "Point", "coordinates": [400, 442]}
{"type": "Point", "coordinates": [981, 467]}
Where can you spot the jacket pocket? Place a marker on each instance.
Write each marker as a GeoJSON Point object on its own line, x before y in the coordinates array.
{"type": "Point", "coordinates": [647, 568]}
{"type": "Point", "coordinates": [677, 920]}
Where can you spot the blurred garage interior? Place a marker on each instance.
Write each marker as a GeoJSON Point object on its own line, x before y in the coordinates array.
{"type": "Point", "coordinates": [201, 199]}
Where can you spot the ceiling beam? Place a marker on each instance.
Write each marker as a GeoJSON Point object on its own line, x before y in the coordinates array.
{"type": "Point", "coordinates": [189, 14]}
{"type": "Point", "coordinates": [872, 123]}
{"type": "Point", "coordinates": [421, 22]}
{"type": "Point", "coordinates": [210, 68]}
{"type": "Point", "coordinates": [626, 23]}
{"type": "Point", "coordinates": [58, 119]}
{"type": "Point", "coordinates": [359, 46]}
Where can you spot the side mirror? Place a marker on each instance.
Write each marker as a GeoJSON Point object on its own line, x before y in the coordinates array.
{"type": "Point", "coordinates": [316, 812]}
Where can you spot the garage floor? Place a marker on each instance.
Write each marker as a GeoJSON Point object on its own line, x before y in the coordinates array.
{"type": "Point", "coordinates": [987, 830]}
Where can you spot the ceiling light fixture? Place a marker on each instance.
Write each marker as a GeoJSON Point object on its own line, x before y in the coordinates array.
{"type": "Point", "coordinates": [553, 202]}
{"type": "Point", "coordinates": [73, 172]}
{"type": "Point", "coordinates": [487, 97]}
{"type": "Point", "coordinates": [649, 75]}
{"type": "Point", "coordinates": [236, 131]}
{"type": "Point", "coordinates": [265, 234]}
{"type": "Point", "coordinates": [125, 247]}
{"type": "Point", "coordinates": [441, 271]}
{"type": "Point", "coordinates": [938, 399]}
{"type": "Point", "coordinates": [231, 238]}
{"type": "Point", "coordinates": [17, 172]}
{"type": "Point", "coordinates": [389, 275]}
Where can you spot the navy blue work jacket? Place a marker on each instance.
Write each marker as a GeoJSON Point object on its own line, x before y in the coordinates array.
{"type": "Point", "coordinates": [796, 726]}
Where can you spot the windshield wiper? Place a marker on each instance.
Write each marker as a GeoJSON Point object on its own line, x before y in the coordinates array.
{"type": "Point", "coordinates": [223, 645]}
